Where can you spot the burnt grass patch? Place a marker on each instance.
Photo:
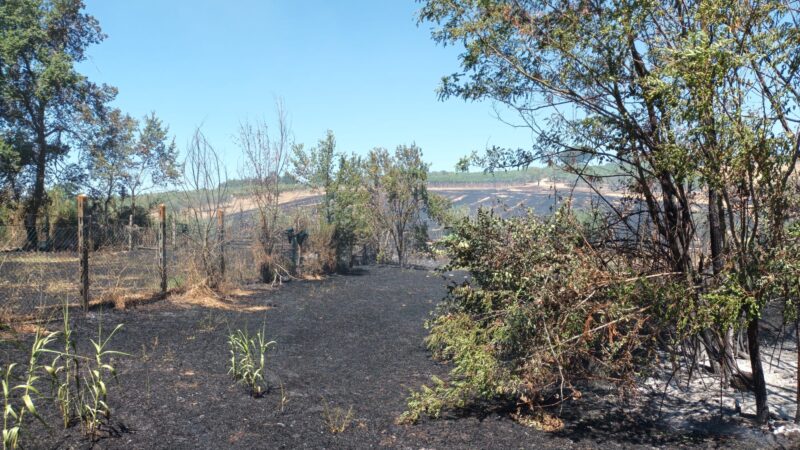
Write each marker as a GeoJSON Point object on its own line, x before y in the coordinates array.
{"type": "Point", "coordinates": [345, 343]}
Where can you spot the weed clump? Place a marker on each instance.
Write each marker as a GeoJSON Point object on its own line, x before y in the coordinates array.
{"type": "Point", "coordinates": [78, 382]}
{"type": "Point", "coordinates": [336, 419]}
{"type": "Point", "coordinates": [248, 360]}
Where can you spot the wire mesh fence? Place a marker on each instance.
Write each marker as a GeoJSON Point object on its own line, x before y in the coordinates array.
{"type": "Point", "coordinates": [88, 262]}
{"type": "Point", "coordinates": [35, 280]}
{"type": "Point", "coordinates": [123, 263]}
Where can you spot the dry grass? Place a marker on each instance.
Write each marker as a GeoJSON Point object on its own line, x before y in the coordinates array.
{"type": "Point", "coordinates": [336, 419]}
{"type": "Point", "coordinates": [231, 299]}
{"type": "Point", "coordinates": [539, 420]}
{"type": "Point", "coordinates": [39, 258]}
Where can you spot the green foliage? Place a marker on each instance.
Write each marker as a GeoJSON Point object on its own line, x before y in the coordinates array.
{"type": "Point", "coordinates": [349, 212]}
{"type": "Point", "coordinates": [531, 329]}
{"type": "Point", "coordinates": [79, 383]}
{"type": "Point", "coordinates": [705, 110]}
{"type": "Point", "coordinates": [248, 360]}
{"type": "Point", "coordinates": [398, 196]}
{"type": "Point", "coordinates": [45, 100]}
{"type": "Point", "coordinates": [64, 375]}
{"type": "Point", "coordinates": [316, 169]}
{"type": "Point", "coordinates": [15, 408]}
{"type": "Point", "coordinates": [141, 216]}
{"type": "Point", "coordinates": [462, 166]}
{"type": "Point", "coordinates": [94, 408]}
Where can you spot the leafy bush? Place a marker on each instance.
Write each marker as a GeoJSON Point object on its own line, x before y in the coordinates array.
{"type": "Point", "coordinates": [543, 312]}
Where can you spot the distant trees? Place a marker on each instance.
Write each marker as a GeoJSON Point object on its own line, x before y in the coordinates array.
{"type": "Point", "coordinates": [49, 111]}
{"type": "Point", "coordinates": [108, 158]}
{"type": "Point", "coordinates": [125, 159]}
{"type": "Point", "coordinates": [463, 164]}
{"type": "Point", "coordinates": [339, 179]}
{"type": "Point", "coordinates": [384, 194]}
{"type": "Point", "coordinates": [696, 103]}
{"type": "Point", "coordinates": [152, 160]}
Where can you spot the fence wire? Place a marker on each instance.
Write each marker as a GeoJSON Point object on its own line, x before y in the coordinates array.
{"type": "Point", "coordinates": [124, 262]}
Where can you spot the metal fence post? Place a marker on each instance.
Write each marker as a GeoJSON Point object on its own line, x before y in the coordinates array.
{"type": "Point", "coordinates": [295, 255]}
{"type": "Point", "coordinates": [83, 250]}
{"type": "Point", "coordinates": [162, 246]}
{"type": "Point", "coordinates": [174, 231]}
{"type": "Point", "coordinates": [221, 242]}
{"type": "Point", "coordinates": [130, 233]}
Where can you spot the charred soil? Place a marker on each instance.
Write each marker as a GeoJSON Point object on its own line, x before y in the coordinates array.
{"type": "Point", "coordinates": [344, 344]}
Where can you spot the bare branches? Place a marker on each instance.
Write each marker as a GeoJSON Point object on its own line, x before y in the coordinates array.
{"type": "Point", "coordinates": [205, 190]}
{"type": "Point", "coordinates": [266, 158]}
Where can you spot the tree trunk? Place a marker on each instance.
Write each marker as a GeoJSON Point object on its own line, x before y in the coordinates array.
{"type": "Point", "coordinates": [35, 205]}
{"type": "Point", "coordinates": [759, 384]}
{"type": "Point", "coordinates": [130, 233]}
{"type": "Point", "coordinates": [715, 232]}
{"type": "Point", "coordinates": [400, 251]}
{"type": "Point", "coordinates": [130, 220]}
{"type": "Point", "coordinates": [717, 236]}
{"type": "Point", "coordinates": [797, 391]}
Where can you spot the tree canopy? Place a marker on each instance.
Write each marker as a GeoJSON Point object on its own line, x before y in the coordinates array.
{"type": "Point", "coordinates": [696, 104]}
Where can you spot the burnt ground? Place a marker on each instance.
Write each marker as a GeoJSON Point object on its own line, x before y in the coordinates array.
{"type": "Point", "coordinates": [346, 341]}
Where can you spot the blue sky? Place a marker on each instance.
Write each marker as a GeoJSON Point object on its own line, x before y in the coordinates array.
{"type": "Point", "coordinates": [363, 69]}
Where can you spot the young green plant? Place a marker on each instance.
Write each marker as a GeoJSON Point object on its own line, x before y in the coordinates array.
{"type": "Point", "coordinates": [95, 412]}
{"type": "Point", "coordinates": [248, 360]}
{"type": "Point", "coordinates": [65, 370]}
{"type": "Point", "coordinates": [13, 412]}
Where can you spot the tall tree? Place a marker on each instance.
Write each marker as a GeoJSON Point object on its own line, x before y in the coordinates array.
{"type": "Point", "coordinates": [109, 156]}
{"type": "Point", "coordinates": [316, 168]}
{"type": "Point", "coordinates": [398, 195]}
{"type": "Point", "coordinates": [16, 155]}
{"type": "Point", "coordinates": [152, 160]}
{"type": "Point", "coordinates": [691, 100]}
{"type": "Point", "coordinates": [43, 96]}
{"type": "Point", "coordinates": [348, 208]}
{"type": "Point", "coordinates": [266, 158]}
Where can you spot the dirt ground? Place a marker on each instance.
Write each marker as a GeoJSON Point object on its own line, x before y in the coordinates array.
{"type": "Point", "coordinates": [345, 342]}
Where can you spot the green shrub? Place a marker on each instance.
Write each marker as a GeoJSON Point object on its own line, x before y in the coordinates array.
{"type": "Point", "coordinates": [542, 313]}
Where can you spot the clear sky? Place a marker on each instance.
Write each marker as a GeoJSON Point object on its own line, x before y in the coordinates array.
{"type": "Point", "coordinates": [363, 69]}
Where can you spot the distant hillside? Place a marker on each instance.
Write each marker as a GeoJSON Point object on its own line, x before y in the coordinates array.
{"type": "Point", "coordinates": [238, 190]}
{"type": "Point", "coordinates": [529, 175]}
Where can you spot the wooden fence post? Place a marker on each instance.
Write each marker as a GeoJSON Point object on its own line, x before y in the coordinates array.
{"type": "Point", "coordinates": [221, 242]}
{"type": "Point", "coordinates": [162, 246]}
{"type": "Point", "coordinates": [83, 250]}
